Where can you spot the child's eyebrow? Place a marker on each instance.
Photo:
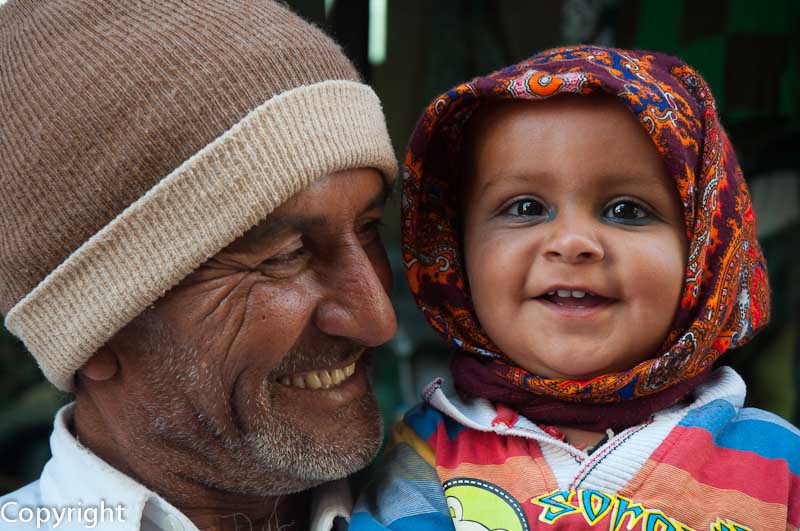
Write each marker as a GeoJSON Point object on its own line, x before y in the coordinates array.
{"type": "Point", "coordinates": [628, 177]}
{"type": "Point", "coordinates": [494, 181]}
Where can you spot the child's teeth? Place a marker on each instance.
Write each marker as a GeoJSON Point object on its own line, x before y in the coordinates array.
{"type": "Point", "coordinates": [565, 293]}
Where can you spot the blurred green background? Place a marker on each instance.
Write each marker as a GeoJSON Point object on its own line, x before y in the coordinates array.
{"type": "Point", "coordinates": [412, 50]}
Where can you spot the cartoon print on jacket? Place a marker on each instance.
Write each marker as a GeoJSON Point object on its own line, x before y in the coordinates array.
{"type": "Point", "coordinates": [477, 505]}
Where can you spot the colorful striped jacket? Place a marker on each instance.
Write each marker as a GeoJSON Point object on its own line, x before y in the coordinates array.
{"type": "Point", "coordinates": [709, 465]}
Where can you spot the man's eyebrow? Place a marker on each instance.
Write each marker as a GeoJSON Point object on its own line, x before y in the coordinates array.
{"type": "Point", "coordinates": [379, 200]}
{"type": "Point", "coordinates": [274, 228]}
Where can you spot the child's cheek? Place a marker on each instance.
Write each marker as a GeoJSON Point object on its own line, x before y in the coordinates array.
{"type": "Point", "coordinates": [499, 264]}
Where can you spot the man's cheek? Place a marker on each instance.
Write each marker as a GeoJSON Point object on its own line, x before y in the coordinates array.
{"type": "Point", "coordinates": [218, 322]}
{"type": "Point", "coordinates": [270, 322]}
{"type": "Point", "coordinates": [274, 319]}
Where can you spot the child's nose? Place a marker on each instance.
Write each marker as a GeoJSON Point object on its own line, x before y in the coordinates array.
{"type": "Point", "coordinates": [574, 241]}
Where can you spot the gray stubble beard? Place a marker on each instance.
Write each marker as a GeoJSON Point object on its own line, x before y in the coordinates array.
{"type": "Point", "coordinates": [306, 461]}
{"type": "Point", "coordinates": [275, 458]}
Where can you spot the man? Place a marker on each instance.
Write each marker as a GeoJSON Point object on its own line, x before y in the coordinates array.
{"type": "Point", "coordinates": [189, 194]}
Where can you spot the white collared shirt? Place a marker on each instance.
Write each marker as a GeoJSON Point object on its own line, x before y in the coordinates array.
{"type": "Point", "coordinates": [77, 491]}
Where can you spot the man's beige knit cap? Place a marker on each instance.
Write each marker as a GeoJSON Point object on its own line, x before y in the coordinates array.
{"type": "Point", "coordinates": [139, 138]}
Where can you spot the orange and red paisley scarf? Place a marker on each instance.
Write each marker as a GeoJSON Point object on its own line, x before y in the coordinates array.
{"type": "Point", "coordinates": [725, 298]}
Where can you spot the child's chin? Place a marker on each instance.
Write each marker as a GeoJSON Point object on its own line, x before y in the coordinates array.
{"type": "Point", "coordinates": [580, 374]}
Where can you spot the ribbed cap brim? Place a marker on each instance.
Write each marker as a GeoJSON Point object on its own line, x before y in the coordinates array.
{"type": "Point", "coordinates": [207, 202]}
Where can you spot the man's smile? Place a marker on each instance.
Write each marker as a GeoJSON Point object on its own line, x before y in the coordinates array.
{"type": "Point", "coordinates": [326, 390]}
{"type": "Point", "coordinates": [336, 373]}
{"type": "Point", "coordinates": [320, 379]}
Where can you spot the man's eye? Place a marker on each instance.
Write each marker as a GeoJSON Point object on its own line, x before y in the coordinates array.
{"type": "Point", "coordinates": [285, 258]}
{"type": "Point", "coordinates": [627, 212]}
{"type": "Point", "coordinates": [526, 208]}
{"type": "Point", "coordinates": [370, 231]}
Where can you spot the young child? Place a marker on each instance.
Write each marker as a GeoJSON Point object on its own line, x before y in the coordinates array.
{"type": "Point", "coordinates": [578, 228]}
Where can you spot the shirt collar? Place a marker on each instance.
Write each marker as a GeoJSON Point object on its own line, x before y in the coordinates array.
{"type": "Point", "coordinates": [76, 477]}
{"type": "Point", "coordinates": [482, 415]}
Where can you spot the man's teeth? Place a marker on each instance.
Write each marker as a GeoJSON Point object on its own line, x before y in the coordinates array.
{"type": "Point", "coordinates": [568, 293]}
{"type": "Point", "coordinates": [323, 379]}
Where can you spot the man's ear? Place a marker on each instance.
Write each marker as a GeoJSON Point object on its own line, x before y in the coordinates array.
{"type": "Point", "coordinates": [102, 366]}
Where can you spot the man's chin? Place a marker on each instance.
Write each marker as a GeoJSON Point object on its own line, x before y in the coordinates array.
{"type": "Point", "coordinates": [343, 443]}
{"type": "Point", "coordinates": [298, 452]}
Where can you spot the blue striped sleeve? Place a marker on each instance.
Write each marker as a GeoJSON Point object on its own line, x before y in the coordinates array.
{"type": "Point", "coordinates": [748, 430]}
{"type": "Point", "coordinates": [404, 495]}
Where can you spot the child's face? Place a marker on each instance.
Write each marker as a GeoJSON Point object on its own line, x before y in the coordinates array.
{"type": "Point", "coordinates": [573, 236]}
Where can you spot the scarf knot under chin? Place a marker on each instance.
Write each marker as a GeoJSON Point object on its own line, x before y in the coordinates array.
{"type": "Point", "coordinates": [725, 298]}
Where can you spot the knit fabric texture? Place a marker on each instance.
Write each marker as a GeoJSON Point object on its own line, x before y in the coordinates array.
{"type": "Point", "coordinates": [708, 465]}
{"type": "Point", "coordinates": [140, 138]}
{"type": "Point", "coordinates": [725, 298]}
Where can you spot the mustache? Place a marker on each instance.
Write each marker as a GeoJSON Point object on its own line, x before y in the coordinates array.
{"type": "Point", "coordinates": [318, 354]}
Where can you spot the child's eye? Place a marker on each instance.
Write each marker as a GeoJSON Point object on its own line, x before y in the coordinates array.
{"type": "Point", "coordinates": [526, 208]}
{"type": "Point", "coordinates": [628, 212]}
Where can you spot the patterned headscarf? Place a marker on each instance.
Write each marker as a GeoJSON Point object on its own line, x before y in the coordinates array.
{"type": "Point", "coordinates": [725, 298]}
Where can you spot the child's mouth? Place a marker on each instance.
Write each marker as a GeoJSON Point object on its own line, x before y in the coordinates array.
{"type": "Point", "coordinates": [575, 299]}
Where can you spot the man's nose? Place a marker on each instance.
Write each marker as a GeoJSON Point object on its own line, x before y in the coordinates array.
{"type": "Point", "coordinates": [356, 305]}
{"type": "Point", "coordinates": [574, 240]}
